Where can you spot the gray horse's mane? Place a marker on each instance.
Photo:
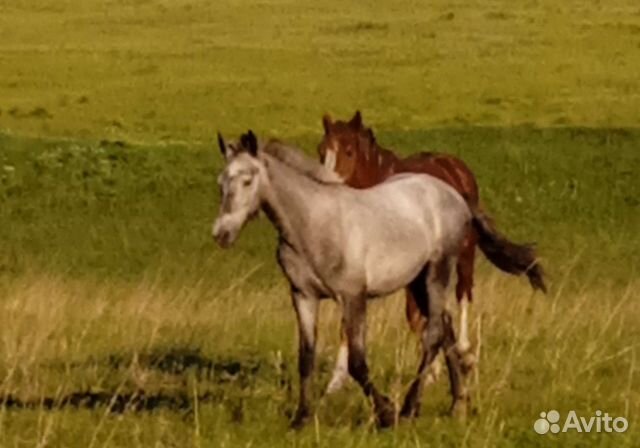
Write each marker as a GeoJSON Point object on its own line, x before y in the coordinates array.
{"type": "Point", "coordinates": [298, 160]}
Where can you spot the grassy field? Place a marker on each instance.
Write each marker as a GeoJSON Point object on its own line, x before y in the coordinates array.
{"type": "Point", "coordinates": [122, 324]}
{"type": "Point", "coordinates": [173, 69]}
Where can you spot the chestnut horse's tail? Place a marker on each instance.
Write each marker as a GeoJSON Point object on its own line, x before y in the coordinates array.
{"type": "Point", "coordinates": [508, 256]}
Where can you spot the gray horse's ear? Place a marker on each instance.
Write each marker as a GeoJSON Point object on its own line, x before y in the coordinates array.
{"type": "Point", "coordinates": [356, 121]}
{"type": "Point", "coordinates": [222, 145]}
{"type": "Point", "coordinates": [250, 142]}
{"type": "Point", "coordinates": [326, 123]}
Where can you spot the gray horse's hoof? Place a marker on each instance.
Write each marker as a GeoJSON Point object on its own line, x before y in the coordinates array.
{"type": "Point", "coordinates": [410, 408]}
{"type": "Point", "coordinates": [386, 418]}
{"type": "Point", "coordinates": [411, 405]}
{"type": "Point", "coordinates": [385, 412]}
{"type": "Point", "coordinates": [410, 412]}
{"type": "Point", "coordinates": [300, 418]}
{"type": "Point", "coordinates": [459, 409]}
{"type": "Point", "coordinates": [468, 361]}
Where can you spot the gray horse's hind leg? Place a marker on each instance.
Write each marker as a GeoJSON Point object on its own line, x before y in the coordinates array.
{"type": "Point", "coordinates": [354, 315]}
{"type": "Point", "coordinates": [457, 369]}
{"type": "Point", "coordinates": [417, 313]}
{"type": "Point", "coordinates": [437, 333]}
{"type": "Point", "coordinates": [306, 312]}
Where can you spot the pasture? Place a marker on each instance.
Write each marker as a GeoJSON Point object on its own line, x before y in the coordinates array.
{"type": "Point", "coordinates": [122, 324]}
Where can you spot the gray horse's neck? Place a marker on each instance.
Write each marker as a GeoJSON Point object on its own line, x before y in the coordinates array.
{"type": "Point", "coordinates": [303, 164]}
{"type": "Point", "coordinates": [288, 199]}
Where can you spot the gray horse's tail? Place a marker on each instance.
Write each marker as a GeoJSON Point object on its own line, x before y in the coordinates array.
{"type": "Point", "coordinates": [506, 255]}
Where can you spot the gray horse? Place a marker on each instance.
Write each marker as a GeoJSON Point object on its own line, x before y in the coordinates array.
{"type": "Point", "coordinates": [350, 245]}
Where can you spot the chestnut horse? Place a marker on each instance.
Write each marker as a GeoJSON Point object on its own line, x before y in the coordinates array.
{"type": "Point", "coordinates": [351, 150]}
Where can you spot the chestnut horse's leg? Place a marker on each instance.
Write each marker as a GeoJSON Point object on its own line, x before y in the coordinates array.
{"type": "Point", "coordinates": [415, 319]}
{"type": "Point", "coordinates": [341, 371]}
{"type": "Point", "coordinates": [464, 294]}
{"type": "Point", "coordinates": [354, 324]}
{"type": "Point", "coordinates": [306, 312]}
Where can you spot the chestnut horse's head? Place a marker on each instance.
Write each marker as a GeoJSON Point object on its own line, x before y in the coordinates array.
{"type": "Point", "coordinates": [344, 146]}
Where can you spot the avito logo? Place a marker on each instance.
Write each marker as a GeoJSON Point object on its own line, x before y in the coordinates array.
{"type": "Point", "coordinates": [600, 422]}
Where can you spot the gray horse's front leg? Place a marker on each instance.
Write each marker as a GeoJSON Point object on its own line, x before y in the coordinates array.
{"type": "Point", "coordinates": [306, 312]}
{"type": "Point", "coordinates": [354, 324]}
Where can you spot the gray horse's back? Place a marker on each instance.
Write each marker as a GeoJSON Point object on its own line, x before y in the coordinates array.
{"type": "Point", "coordinates": [441, 198]}
{"type": "Point", "coordinates": [396, 227]}
{"type": "Point", "coordinates": [445, 211]}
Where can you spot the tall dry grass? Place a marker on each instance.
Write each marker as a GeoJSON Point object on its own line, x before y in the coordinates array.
{"type": "Point", "coordinates": [573, 349]}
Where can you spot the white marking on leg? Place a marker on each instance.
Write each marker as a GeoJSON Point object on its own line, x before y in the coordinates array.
{"type": "Point", "coordinates": [307, 311]}
{"type": "Point", "coordinates": [341, 370]}
{"type": "Point", "coordinates": [463, 343]}
{"type": "Point", "coordinates": [434, 371]}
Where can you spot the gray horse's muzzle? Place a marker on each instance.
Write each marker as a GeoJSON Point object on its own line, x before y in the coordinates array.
{"type": "Point", "coordinates": [223, 236]}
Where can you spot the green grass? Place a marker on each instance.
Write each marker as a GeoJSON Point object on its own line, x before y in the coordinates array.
{"type": "Point", "coordinates": [99, 208]}
{"type": "Point", "coordinates": [106, 252]}
{"type": "Point", "coordinates": [166, 70]}
{"type": "Point", "coordinates": [122, 324]}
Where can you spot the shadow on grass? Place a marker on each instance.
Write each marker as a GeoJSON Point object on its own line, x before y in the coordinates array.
{"type": "Point", "coordinates": [180, 361]}
{"type": "Point", "coordinates": [114, 403]}
{"type": "Point", "coordinates": [225, 380]}
{"type": "Point", "coordinates": [174, 361]}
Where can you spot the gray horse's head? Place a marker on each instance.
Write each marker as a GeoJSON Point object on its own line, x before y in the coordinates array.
{"type": "Point", "coordinates": [239, 188]}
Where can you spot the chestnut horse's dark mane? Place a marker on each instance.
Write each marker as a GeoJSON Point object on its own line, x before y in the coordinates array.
{"type": "Point", "coordinates": [375, 148]}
